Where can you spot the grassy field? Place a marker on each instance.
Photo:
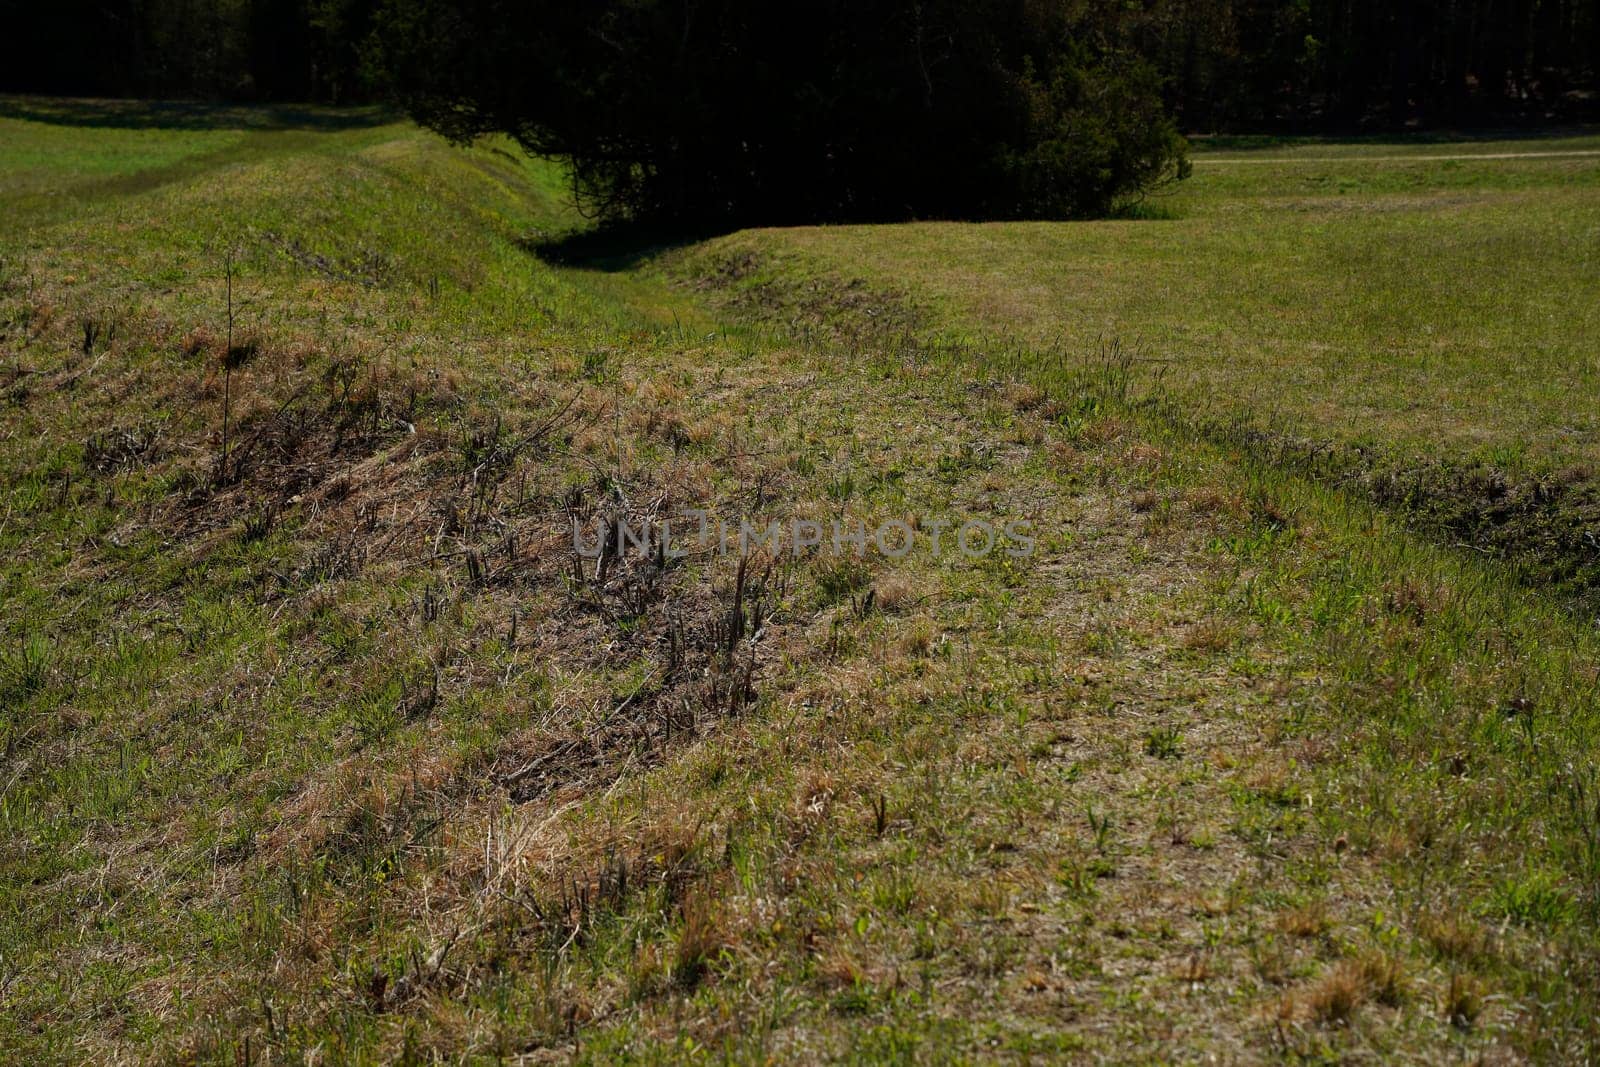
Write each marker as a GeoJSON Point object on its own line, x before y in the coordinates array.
{"type": "Point", "coordinates": [1353, 293]}
{"type": "Point", "coordinates": [321, 743]}
{"type": "Point", "coordinates": [1415, 316]}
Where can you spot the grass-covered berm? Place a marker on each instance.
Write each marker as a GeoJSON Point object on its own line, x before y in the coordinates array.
{"type": "Point", "coordinates": [322, 741]}
{"type": "Point", "coordinates": [1411, 319]}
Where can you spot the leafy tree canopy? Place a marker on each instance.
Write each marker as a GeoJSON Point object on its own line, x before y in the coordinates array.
{"type": "Point", "coordinates": [724, 111]}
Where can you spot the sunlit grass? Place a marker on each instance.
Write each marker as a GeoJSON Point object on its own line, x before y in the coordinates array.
{"type": "Point", "coordinates": [1233, 766]}
{"type": "Point", "coordinates": [1431, 304]}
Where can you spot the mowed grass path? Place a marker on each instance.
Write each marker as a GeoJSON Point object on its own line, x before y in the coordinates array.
{"type": "Point", "coordinates": [1351, 292]}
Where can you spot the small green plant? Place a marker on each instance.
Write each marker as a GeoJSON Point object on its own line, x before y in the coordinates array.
{"type": "Point", "coordinates": [596, 362]}
{"type": "Point", "coordinates": [24, 670]}
{"type": "Point", "coordinates": [258, 524]}
{"type": "Point", "coordinates": [1100, 825]}
{"type": "Point", "coordinates": [377, 715]}
{"type": "Point", "coordinates": [1164, 742]}
{"type": "Point", "coordinates": [842, 580]}
{"type": "Point", "coordinates": [1535, 899]}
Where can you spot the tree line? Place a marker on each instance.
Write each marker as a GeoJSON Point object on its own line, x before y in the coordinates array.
{"type": "Point", "coordinates": [768, 111]}
{"type": "Point", "coordinates": [1224, 65]}
{"type": "Point", "coordinates": [1352, 65]}
{"type": "Point", "coordinates": [301, 51]}
{"type": "Point", "coordinates": [726, 111]}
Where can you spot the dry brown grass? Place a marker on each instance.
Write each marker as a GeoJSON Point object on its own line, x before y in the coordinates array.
{"type": "Point", "coordinates": [1146, 455]}
{"type": "Point", "coordinates": [1463, 1000]}
{"type": "Point", "coordinates": [897, 593]}
{"type": "Point", "coordinates": [1334, 999]}
{"type": "Point", "coordinates": [1310, 920]}
{"type": "Point", "coordinates": [1211, 635]}
{"type": "Point", "coordinates": [1453, 935]}
{"type": "Point", "coordinates": [1025, 396]}
{"type": "Point", "coordinates": [1373, 978]}
{"type": "Point", "coordinates": [1211, 500]}
{"type": "Point", "coordinates": [701, 939]}
{"type": "Point", "coordinates": [1065, 456]}
{"type": "Point", "coordinates": [1105, 431]}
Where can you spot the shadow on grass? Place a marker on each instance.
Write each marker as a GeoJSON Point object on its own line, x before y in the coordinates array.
{"type": "Point", "coordinates": [189, 114]}
{"type": "Point", "coordinates": [617, 247]}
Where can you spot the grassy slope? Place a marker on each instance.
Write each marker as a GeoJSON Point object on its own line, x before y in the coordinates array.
{"type": "Point", "coordinates": [1231, 766]}
{"type": "Point", "coordinates": [1439, 303]}
{"type": "Point", "coordinates": [1398, 317]}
